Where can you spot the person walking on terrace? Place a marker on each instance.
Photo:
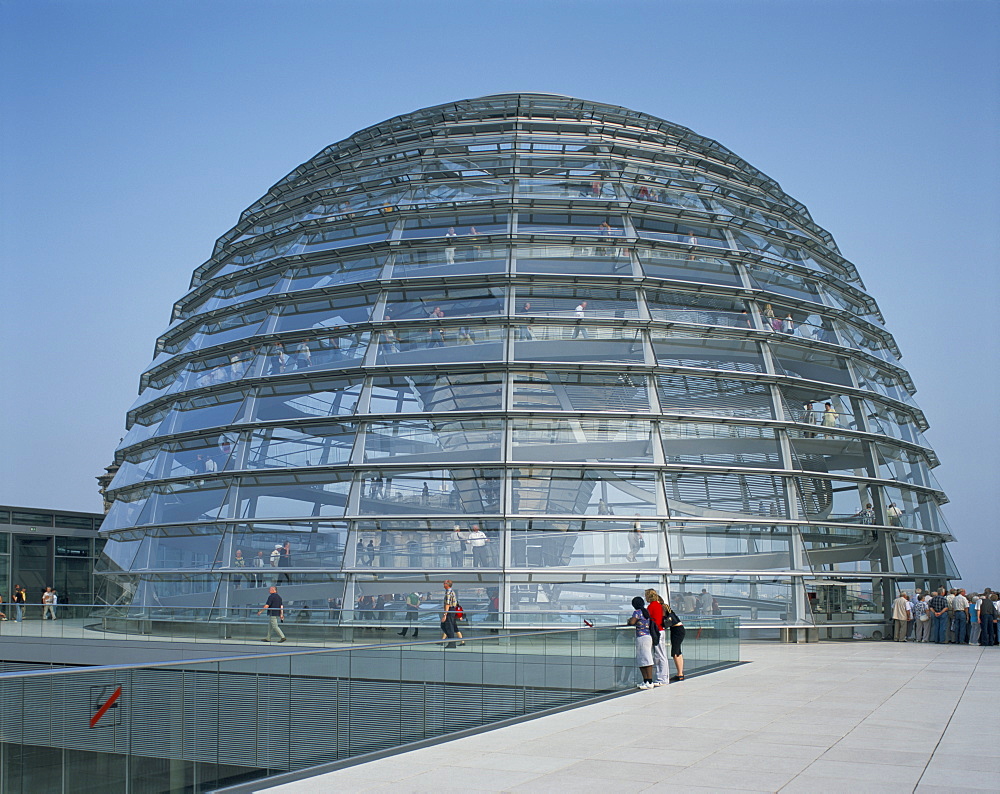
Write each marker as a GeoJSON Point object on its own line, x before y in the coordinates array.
{"type": "Point", "coordinates": [449, 626]}
{"type": "Point", "coordinates": [275, 611]}
{"type": "Point", "coordinates": [412, 615]}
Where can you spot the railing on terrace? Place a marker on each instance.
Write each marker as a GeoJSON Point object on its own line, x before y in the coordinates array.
{"type": "Point", "coordinates": [197, 725]}
{"type": "Point", "coordinates": [304, 624]}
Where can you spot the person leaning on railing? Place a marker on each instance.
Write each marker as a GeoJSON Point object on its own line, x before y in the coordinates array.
{"type": "Point", "coordinates": [643, 642]}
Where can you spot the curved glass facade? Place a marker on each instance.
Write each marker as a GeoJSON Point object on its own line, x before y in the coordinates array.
{"type": "Point", "coordinates": [615, 349]}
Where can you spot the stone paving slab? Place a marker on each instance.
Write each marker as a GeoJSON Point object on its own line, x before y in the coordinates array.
{"type": "Point", "coordinates": [832, 717]}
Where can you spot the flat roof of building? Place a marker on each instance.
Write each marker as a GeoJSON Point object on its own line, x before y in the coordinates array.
{"type": "Point", "coordinates": [852, 716]}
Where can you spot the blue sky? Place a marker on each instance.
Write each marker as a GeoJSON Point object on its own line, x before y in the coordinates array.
{"type": "Point", "coordinates": [132, 134]}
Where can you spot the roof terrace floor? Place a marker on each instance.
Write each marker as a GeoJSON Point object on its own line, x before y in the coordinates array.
{"type": "Point", "coordinates": [829, 717]}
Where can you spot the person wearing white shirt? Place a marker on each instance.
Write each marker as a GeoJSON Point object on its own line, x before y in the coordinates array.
{"type": "Point", "coordinates": [580, 312]}
{"type": "Point", "coordinates": [901, 614]}
{"type": "Point", "coordinates": [478, 541]}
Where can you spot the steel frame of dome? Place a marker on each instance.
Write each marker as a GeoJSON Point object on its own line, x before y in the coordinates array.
{"type": "Point", "coordinates": [617, 348]}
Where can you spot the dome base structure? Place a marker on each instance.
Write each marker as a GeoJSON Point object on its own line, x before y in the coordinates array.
{"type": "Point", "coordinates": [556, 351]}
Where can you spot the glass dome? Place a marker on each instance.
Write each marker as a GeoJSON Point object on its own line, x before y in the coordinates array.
{"type": "Point", "coordinates": [607, 347]}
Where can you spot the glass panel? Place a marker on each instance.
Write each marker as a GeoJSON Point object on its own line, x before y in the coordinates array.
{"type": "Point", "coordinates": [179, 548]}
{"type": "Point", "coordinates": [419, 304]}
{"type": "Point", "coordinates": [693, 267]}
{"type": "Point", "coordinates": [582, 259]}
{"type": "Point", "coordinates": [558, 596]}
{"type": "Point", "coordinates": [677, 349]}
{"type": "Point", "coordinates": [815, 405]}
{"type": "Point", "coordinates": [578, 188]}
{"type": "Point", "coordinates": [580, 391]}
{"type": "Point", "coordinates": [701, 547]}
{"type": "Point", "coordinates": [312, 399]}
{"type": "Point", "coordinates": [213, 370]}
{"type": "Point", "coordinates": [469, 189]}
{"type": "Point", "coordinates": [313, 544]}
{"type": "Point", "coordinates": [292, 447]}
{"type": "Point", "coordinates": [701, 443]}
{"type": "Point", "coordinates": [220, 330]}
{"type": "Point", "coordinates": [829, 453]}
{"type": "Point", "coordinates": [893, 422]}
{"type": "Point", "coordinates": [583, 224]}
{"type": "Point", "coordinates": [262, 251]}
{"type": "Point", "coordinates": [210, 410]}
{"type": "Point", "coordinates": [354, 234]}
{"type": "Point", "coordinates": [691, 235]}
{"type": "Point", "coordinates": [913, 509]}
{"type": "Point", "coordinates": [579, 342]}
{"type": "Point", "coordinates": [698, 394]}
{"type": "Point", "coordinates": [474, 592]}
{"type": "Point", "coordinates": [466, 259]}
{"type": "Point", "coordinates": [246, 289]}
{"type": "Point", "coordinates": [716, 495]}
{"type": "Point", "coordinates": [583, 492]}
{"type": "Point", "coordinates": [432, 491]}
{"type": "Point", "coordinates": [119, 551]}
{"type": "Point", "coordinates": [798, 322]}
{"type": "Point", "coordinates": [811, 364]}
{"type": "Point", "coordinates": [339, 271]}
{"type": "Point", "coordinates": [192, 500]}
{"type": "Point", "coordinates": [405, 544]}
{"type": "Point", "coordinates": [591, 543]}
{"type": "Point", "coordinates": [328, 352]}
{"type": "Point", "coordinates": [126, 509]}
{"type": "Point", "coordinates": [441, 441]}
{"type": "Point", "coordinates": [822, 499]}
{"type": "Point", "coordinates": [844, 300]}
{"type": "Point", "coordinates": [325, 313]}
{"type": "Point", "coordinates": [764, 599]}
{"type": "Point", "coordinates": [296, 495]}
{"type": "Point", "coordinates": [191, 456]}
{"type": "Point", "coordinates": [136, 467]}
{"type": "Point", "coordinates": [168, 593]}
{"type": "Point", "coordinates": [869, 343]}
{"type": "Point", "coordinates": [462, 229]}
{"type": "Point", "coordinates": [924, 556]}
{"type": "Point", "coordinates": [557, 440]}
{"type": "Point", "coordinates": [554, 300]}
{"type": "Point", "coordinates": [650, 192]}
{"type": "Point", "coordinates": [436, 344]}
{"type": "Point", "coordinates": [394, 394]}
{"type": "Point", "coordinates": [783, 282]}
{"type": "Point", "coordinates": [698, 308]}
{"type": "Point", "coordinates": [881, 382]}
{"type": "Point", "coordinates": [777, 249]}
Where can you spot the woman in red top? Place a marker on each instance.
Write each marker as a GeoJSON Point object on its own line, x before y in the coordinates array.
{"type": "Point", "coordinates": [655, 609]}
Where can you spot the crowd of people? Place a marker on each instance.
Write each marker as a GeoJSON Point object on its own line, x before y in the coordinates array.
{"type": "Point", "coordinates": [946, 617]}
